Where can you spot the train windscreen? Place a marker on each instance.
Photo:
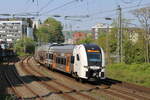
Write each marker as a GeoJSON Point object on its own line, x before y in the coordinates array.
{"type": "Point", "coordinates": [94, 58]}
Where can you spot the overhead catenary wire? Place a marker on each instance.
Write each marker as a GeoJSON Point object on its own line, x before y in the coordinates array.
{"type": "Point", "coordinates": [139, 3]}
{"type": "Point", "coordinates": [46, 5]}
{"type": "Point", "coordinates": [27, 6]}
{"type": "Point", "coordinates": [128, 2]}
{"type": "Point", "coordinates": [107, 11]}
{"type": "Point", "coordinates": [103, 17]}
{"type": "Point", "coordinates": [61, 6]}
{"type": "Point", "coordinates": [88, 11]}
{"type": "Point", "coordinates": [37, 4]}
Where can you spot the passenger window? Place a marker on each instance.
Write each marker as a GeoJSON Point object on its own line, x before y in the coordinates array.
{"type": "Point", "coordinates": [72, 59]}
{"type": "Point", "coordinates": [47, 56]}
{"type": "Point", "coordinates": [64, 61]}
{"type": "Point", "coordinates": [61, 60]}
{"type": "Point", "coordinates": [56, 59]}
{"type": "Point", "coordinates": [78, 57]}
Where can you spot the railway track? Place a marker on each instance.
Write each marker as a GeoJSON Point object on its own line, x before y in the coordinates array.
{"type": "Point", "coordinates": [17, 85]}
{"type": "Point", "coordinates": [134, 87]}
{"type": "Point", "coordinates": [71, 90]}
{"type": "Point", "coordinates": [129, 89]}
{"type": "Point", "coordinates": [107, 92]}
{"type": "Point", "coordinates": [14, 90]}
{"type": "Point", "coordinates": [57, 91]}
{"type": "Point", "coordinates": [120, 89]}
{"type": "Point", "coordinates": [30, 90]}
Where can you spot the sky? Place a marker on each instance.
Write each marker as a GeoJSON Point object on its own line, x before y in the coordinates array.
{"type": "Point", "coordinates": [96, 10]}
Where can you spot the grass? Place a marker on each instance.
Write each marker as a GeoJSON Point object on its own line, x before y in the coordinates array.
{"type": "Point", "coordinates": [134, 73]}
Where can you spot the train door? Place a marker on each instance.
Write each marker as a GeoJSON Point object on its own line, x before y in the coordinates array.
{"type": "Point", "coordinates": [80, 61]}
{"type": "Point", "coordinates": [54, 61]}
{"type": "Point", "coordinates": [77, 64]}
{"type": "Point", "coordinates": [68, 63]}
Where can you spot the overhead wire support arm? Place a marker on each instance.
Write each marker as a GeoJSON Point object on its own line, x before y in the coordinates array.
{"type": "Point", "coordinates": [81, 16]}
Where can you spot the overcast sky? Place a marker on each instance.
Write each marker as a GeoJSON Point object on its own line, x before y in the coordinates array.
{"type": "Point", "coordinates": [97, 10]}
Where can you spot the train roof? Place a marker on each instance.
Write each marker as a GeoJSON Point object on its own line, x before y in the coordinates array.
{"type": "Point", "coordinates": [67, 48]}
{"type": "Point", "coordinates": [43, 47]}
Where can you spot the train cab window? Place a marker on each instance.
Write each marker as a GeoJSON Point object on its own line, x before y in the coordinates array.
{"type": "Point", "coordinates": [72, 59]}
{"type": "Point", "coordinates": [78, 58]}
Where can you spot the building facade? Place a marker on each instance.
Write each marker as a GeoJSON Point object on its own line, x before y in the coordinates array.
{"type": "Point", "coordinates": [12, 30]}
{"type": "Point", "coordinates": [99, 29]}
{"type": "Point", "coordinates": [77, 36]}
{"type": "Point", "coordinates": [36, 23]}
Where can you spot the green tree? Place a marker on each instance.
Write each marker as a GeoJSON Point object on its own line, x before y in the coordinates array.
{"type": "Point", "coordinates": [26, 45]}
{"type": "Point", "coordinates": [113, 40]}
{"type": "Point", "coordinates": [34, 33]}
{"type": "Point", "coordinates": [101, 41]}
{"type": "Point", "coordinates": [42, 34]}
{"type": "Point", "coordinates": [128, 52]}
{"type": "Point", "coordinates": [29, 21]}
{"type": "Point", "coordinates": [50, 31]}
{"type": "Point", "coordinates": [133, 50]}
{"type": "Point", "coordinates": [143, 16]}
{"type": "Point", "coordinates": [87, 40]}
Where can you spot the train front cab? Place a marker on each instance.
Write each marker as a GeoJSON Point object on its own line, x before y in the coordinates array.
{"type": "Point", "coordinates": [89, 62]}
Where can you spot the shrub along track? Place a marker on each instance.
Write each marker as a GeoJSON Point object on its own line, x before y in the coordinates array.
{"type": "Point", "coordinates": [117, 89]}
{"type": "Point", "coordinates": [49, 86]}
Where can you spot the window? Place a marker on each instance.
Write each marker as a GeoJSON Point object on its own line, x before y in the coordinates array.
{"type": "Point", "coordinates": [94, 58]}
{"type": "Point", "coordinates": [72, 59]}
{"type": "Point", "coordinates": [56, 59]}
{"type": "Point", "coordinates": [47, 55]}
{"type": "Point", "coordinates": [59, 60]}
{"type": "Point", "coordinates": [64, 61]}
{"type": "Point", "coordinates": [50, 56]}
{"type": "Point", "coordinates": [78, 57]}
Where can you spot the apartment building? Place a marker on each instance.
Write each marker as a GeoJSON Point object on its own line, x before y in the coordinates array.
{"type": "Point", "coordinates": [100, 28]}
{"type": "Point", "coordinates": [12, 30]}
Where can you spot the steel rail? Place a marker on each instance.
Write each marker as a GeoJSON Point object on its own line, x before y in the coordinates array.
{"type": "Point", "coordinates": [114, 91]}
{"type": "Point", "coordinates": [18, 94]}
{"type": "Point", "coordinates": [48, 85]}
